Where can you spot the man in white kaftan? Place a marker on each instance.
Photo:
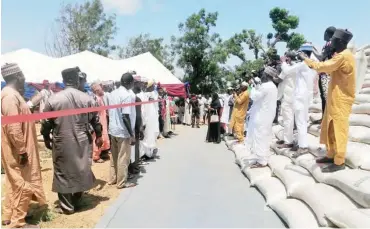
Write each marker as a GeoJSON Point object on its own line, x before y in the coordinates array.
{"type": "Point", "coordinates": [262, 116]}
{"type": "Point", "coordinates": [225, 117]}
{"type": "Point", "coordinates": [187, 114]}
{"type": "Point", "coordinates": [201, 108]}
{"type": "Point", "coordinates": [287, 84]}
{"type": "Point", "coordinates": [150, 120]}
{"type": "Point", "coordinates": [303, 96]}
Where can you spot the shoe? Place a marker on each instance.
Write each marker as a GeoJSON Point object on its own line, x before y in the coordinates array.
{"type": "Point", "coordinates": [280, 142]}
{"type": "Point", "coordinates": [300, 152]}
{"type": "Point", "coordinates": [285, 146]}
{"type": "Point", "coordinates": [325, 160]}
{"type": "Point", "coordinates": [294, 148]}
{"type": "Point", "coordinates": [333, 168]}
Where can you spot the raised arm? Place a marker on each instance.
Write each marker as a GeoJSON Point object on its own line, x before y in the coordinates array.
{"type": "Point", "coordinates": [242, 98]}
{"type": "Point", "coordinates": [326, 66]}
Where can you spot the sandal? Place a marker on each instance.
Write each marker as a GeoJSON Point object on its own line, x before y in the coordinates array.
{"type": "Point", "coordinates": [257, 165]}
{"type": "Point", "coordinates": [5, 222]}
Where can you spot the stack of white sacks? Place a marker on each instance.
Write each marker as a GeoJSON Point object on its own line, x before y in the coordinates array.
{"type": "Point", "coordinates": [300, 193]}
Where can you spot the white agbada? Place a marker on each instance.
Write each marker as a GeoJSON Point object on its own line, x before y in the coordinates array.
{"type": "Point", "coordinates": [150, 119]}
{"type": "Point", "coordinates": [133, 122]}
{"type": "Point", "coordinates": [201, 107]}
{"type": "Point", "coordinates": [287, 87]}
{"type": "Point", "coordinates": [262, 116]}
{"type": "Point", "coordinates": [187, 114]}
{"type": "Point", "coordinates": [226, 111]}
{"type": "Point", "coordinates": [303, 96]}
{"type": "Point", "coordinates": [144, 118]}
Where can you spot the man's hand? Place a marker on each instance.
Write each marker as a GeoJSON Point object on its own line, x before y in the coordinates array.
{"type": "Point", "coordinates": [99, 142]}
{"type": "Point", "coordinates": [132, 141]}
{"type": "Point", "coordinates": [48, 143]}
{"type": "Point", "coordinates": [23, 159]}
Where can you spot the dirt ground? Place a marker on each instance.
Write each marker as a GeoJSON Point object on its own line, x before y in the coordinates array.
{"type": "Point", "coordinates": [94, 203]}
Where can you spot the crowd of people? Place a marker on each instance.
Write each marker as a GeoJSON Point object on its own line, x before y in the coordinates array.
{"type": "Point", "coordinates": [130, 133]}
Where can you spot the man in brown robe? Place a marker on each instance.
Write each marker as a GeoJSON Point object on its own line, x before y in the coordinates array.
{"type": "Point", "coordinates": [19, 152]}
{"type": "Point", "coordinates": [72, 142]}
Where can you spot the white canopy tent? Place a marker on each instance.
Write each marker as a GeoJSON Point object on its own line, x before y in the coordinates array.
{"type": "Point", "coordinates": [38, 67]}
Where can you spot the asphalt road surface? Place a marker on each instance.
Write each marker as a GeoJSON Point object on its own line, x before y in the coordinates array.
{"type": "Point", "coordinates": [192, 184]}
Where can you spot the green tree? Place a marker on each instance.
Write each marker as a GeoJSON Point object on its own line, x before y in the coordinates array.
{"type": "Point", "coordinates": [200, 52]}
{"type": "Point", "coordinates": [283, 22]}
{"type": "Point", "coordinates": [81, 27]}
{"type": "Point", "coordinates": [144, 43]}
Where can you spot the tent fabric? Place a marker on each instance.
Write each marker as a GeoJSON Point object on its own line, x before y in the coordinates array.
{"type": "Point", "coordinates": [177, 90]}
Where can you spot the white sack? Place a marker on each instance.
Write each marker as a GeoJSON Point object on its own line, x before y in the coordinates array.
{"type": "Point", "coordinates": [355, 218]}
{"type": "Point", "coordinates": [295, 213]}
{"type": "Point", "coordinates": [365, 91]}
{"type": "Point", "coordinates": [315, 116]}
{"type": "Point", "coordinates": [276, 130]}
{"type": "Point", "coordinates": [359, 120]}
{"type": "Point", "coordinates": [361, 108]}
{"type": "Point", "coordinates": [323, 199]}
{"type": "Point", "coordinates": [362, 98]}
{"type": "Point", "coordinates": [353, 182]}
{"type": "Point", "coordinates": [256, 174]}
{"type": "Point", "coordinates": [359, 134]}
{"type": "Point", "coordinates": [314, 130]}
{"type": "Point", "coordinates": [315, 108]}
{"type": "Point", "coordinates": [229, 143]}
{"type": "Point", "coordinates": [241, 153]}
{"type": "Point", "coordinates": [277, 161]}
{"type": "Point", "coordinates": [272, 189]}
{"type": "Point", "coordinates": [293, 176]}
{"type": "Point", "coordinates": [314, 169]}
{"type": "Point", "coordinates": [366, 165]}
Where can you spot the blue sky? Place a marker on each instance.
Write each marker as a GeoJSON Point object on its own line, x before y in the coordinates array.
{"type": "Point", "coordinates": [25, 23]}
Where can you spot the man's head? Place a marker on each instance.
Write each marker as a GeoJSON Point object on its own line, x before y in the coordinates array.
{"type": "Point", "coordinates": [230, 90]}
{"type": "Point", "coordinates": [137, 87]}
{"type": "Point", "coordinates": [83, 81]}
{"type": "Point", "coordinates": [268, 74]}
{"type": "Point", "coordinates": [150, 86]}
{"type": "Point", "coordinates": [160, 91]}
{"type": "Point", "coordinates": [13, 76]}
{"type": "Point", "coordinates": [127, 80]}
{"type": "Point", "coordinates": [306, 49]}
{"type": "Point", "coordinates": [290, 55]}
{"type": "Point", "coordinates": [340, 39]}
{"type": "Point", "coordinates": [97, 88]}
{"type": "Point", "coordinates": [46, 84]}
{"type": "Point", "coordinates": [244, 86]}
{"type": "Point", "coordinates": [71, 77]}
{"type": "Point", "coordinates": [329, 32]}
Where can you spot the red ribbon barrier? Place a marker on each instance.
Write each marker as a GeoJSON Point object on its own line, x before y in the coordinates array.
{"type": "Point", "coordinates": [54, 114]}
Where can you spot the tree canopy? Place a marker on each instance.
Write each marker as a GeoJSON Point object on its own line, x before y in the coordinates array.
{"type": "Point", "coordinates": [81, 27]}
{"type": "Point", "coordinates": [144, 43]}
{"type": "Point", "coordinates": [283, 22]}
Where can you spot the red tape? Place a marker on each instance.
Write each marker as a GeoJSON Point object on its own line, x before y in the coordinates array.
{"type": "Point", "coordinates": [54, 114]}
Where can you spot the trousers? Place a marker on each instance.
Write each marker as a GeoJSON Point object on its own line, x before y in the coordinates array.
{"type": "Point", "coordinates": [301, 118]}
{"type": "Point", "coordinates": [121, 152]}
{"type": "Point", "coordinates": [287, 111]}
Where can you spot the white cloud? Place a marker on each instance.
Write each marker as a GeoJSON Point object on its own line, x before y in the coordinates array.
{"type": "Point", "coordinates": [125, 7]}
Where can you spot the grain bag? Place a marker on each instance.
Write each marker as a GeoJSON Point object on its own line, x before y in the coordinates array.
{"type": "Point", "coordinates": [272, 189]}
{"type": "Point", "coordinates": [315, 169]}
{"type": "Point", "coordinates": [323, 199]}
{"type": "Point", "coordinates": [361, 108]}
{"type": "Point", "coordinates": [366, 165]}
{"type": "Point", "coordinates": [315, 116]}
{"type": "Point", "coordinates": [365, 91]}
{"type": "Point", "coordinates": [362, 98]}
{"type": "Point", "coordinates": [278, 161]}
{"type": "Point", "coordinates": [353, 182]}
{"type": "Point", "coordinates": [315, 108]}
{"type": "Point", "coordinates": [293, 176]}
{"type": "Point", "coordinates": [354, 218]}
{"type": "Point", "coordinates": [359, 134]}
{"type": "Point", "coordinates": [314, 130]}
{"type": "Point", "coordinates": [257, 174]}
{"type": "Point", "coordinates": [295, 213]}
{"type": "Point", "coordinates": [359, 120]}
{"type": "Point", "coordinates": [241, 153]}
{"type": "Point", "coordinates": [277, 130]}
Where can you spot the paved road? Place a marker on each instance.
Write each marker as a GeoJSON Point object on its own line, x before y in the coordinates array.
{"type": "Point", "coordinates": [193, 184]}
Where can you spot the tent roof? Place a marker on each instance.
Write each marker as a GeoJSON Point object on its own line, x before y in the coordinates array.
{"type": "Point", "coordinates": [38, 67]}
{"type": "Point", "coordinates": [35, 66]}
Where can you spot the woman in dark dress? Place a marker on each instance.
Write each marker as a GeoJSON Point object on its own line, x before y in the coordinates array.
{"type": "Point", "coordinates": [214, 128]}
